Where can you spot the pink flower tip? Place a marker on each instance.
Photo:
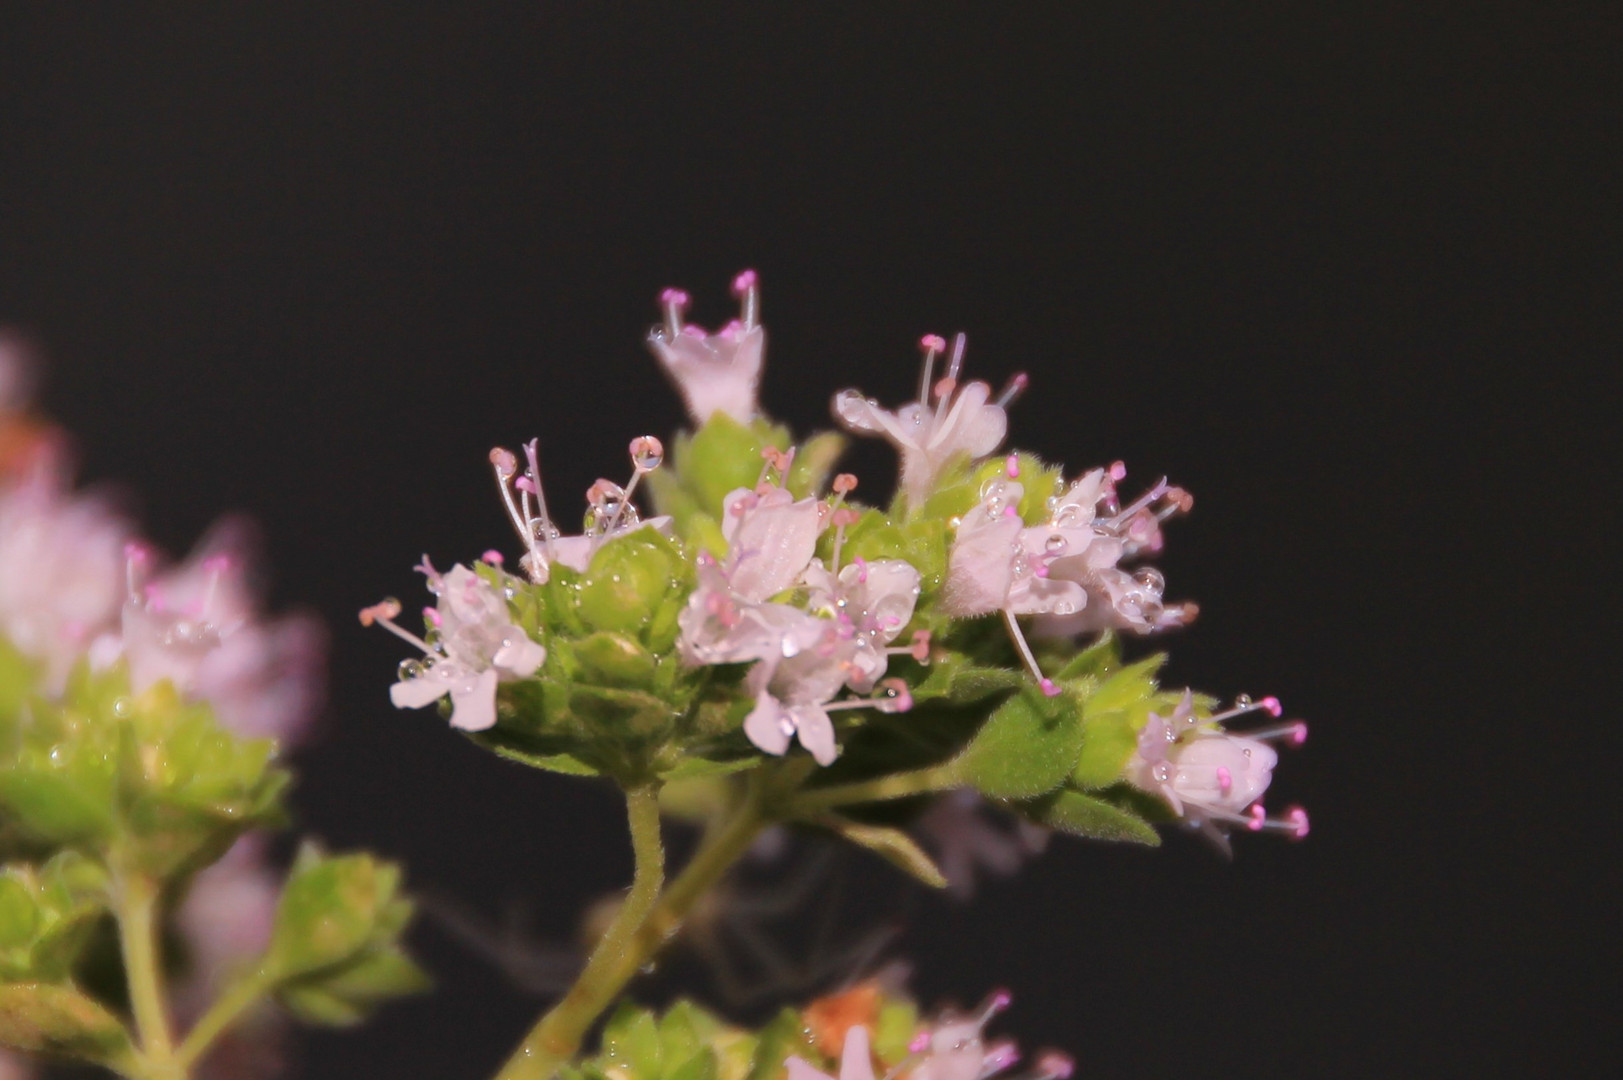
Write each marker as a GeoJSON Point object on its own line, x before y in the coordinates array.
{"type": "Point", "coordinates": [742, 284]}
{"type": "Point", "coordinates": [1270, 705]}
{"type": "Point", "coordinates": [1259, 817]}
{"type": "Point", "coordinates": [1050, 688]}
{"type": "Point", "coordinates": [1298, 734]}
{"type": "Point", "coordinates": [1054, 1064]}
{"type": "Point", "coordinates": [674, 297]}
{"type": "Point", "coordinates": [493, 557]}
{"type": "Point", "coordinates": [1296, 818]}
{"type": "Point", "coordinates": [932, 343]}
{"type": "Point", "coordinates": [1118, 470]}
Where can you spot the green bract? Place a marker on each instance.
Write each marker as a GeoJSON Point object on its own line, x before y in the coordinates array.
{"type": "Point", "coordinates": [335, 953]}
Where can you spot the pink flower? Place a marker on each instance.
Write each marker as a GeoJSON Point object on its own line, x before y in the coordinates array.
{"type": "Point", "coordinates": [61, 571]}
{"type": "Point", "coordinates": [870, 603]}
{"type": "Point", "coordinates": [792, 699]}
{"type": "Point", "coordinates": [1083, 546]}
{"type": "Point", "coordinates": [197, 625]}
{"type": "Point", "coordinates": [962, 423]}
{"type": "Point", "coordinates": [960, 831]}
{"type": "Point", "coordinates": [1210, 777]}
{"type": "Point", "coordinates": [476, 645]}
{"type": "Point", "coordinates": [729, 618]}
{"type": "Point", "coordinates": [715, 372]}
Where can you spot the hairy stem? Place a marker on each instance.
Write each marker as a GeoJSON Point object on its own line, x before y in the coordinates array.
{"type": "Point", "coordinates": [557, 1036]}
{"type": "Point", "coordinates": [138, 927]}
{"type": "Point", "coordinates": [895, 786]}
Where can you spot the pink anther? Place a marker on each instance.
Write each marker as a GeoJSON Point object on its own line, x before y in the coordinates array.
{"type": "Point", "coordinates": [1259, 817]}
{"type": "Point", "coordinates": [493, 557]}
{"type": "Point", "coordinates": [1012, 466]}
{"type": "Point", "coordinates": [932, 343]}
{"type": "Point", "coordinates": [1049, 687]}
{"type": "Point", "coordinates": [944, 386]}
{"type": "Point", "coordinates": [1296, 819]}
{"type": "Point", "coordinates": [845, 483]}
{"type": "Point", "coordinates": [742, 284]}
{"type": "Point", "coordinates": [1118, 471]}
{"type": "Point", "coordinates": [433, 616]}
{"type": "Point", "coordinates": [1270, 705]}
{"type": "Point", "coordinates": [674, 298]}
{"type": "Point", "coordinates": [505, 462]}
{"type": "Point", "coordinates": [1225, 780]}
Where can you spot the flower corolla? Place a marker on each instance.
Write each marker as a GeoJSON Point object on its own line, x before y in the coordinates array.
{"type": "Point", "coordinates": [1212, 778]}
{"type": "Point", "coordinates": [61, 571]}
{"type": "Point", "coordinates": [714, 372]}
{"type": "Point", "coordinates": [962, 422]}
{"type": "Point", "coordinates": [198, 626]}
{"type": "Point", "coordinates": [475, 646]}
{"type": "Point", "coordinates": [870, 603]}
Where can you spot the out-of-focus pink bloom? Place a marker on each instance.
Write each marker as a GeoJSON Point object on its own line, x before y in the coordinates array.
{"type": "Point", "coordinates": [198, 626]}
{"type": "Point", "coordinates": [61, 571]}
{"type": "Point", "coordinates": [714, 372]}
{"type": "Point", "coordinates": [225, 920]}
{"type": "Point", "coordinates": [856, 1060]}
{"type": "Point", "coordinates": [960, 832]}
{"type": "Point", "coordinates": [13, 1067]}
{"type": "Point", "coordinates": [477, 646]}
{"type": "Point", "coordinates": [963, 422]}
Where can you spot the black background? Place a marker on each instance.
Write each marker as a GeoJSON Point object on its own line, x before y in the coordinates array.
{"type": "Point", "coordinates": [1349, 273]}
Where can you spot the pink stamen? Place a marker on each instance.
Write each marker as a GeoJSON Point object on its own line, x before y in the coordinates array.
{"type": "Point", "coordinates": [382, 611]}
{"type": "Point", "coordinates": [1012, 466]}
{"type": "Point", "coordinates": [1118, 471]}
{"type": "Point", "coordinates": [921, 1041]}
{"type": "Point", "coordinates": [493, 557]}
{"type": "Point", "coordinates": [742, 284]}
{"type": "Point", "coordinates": [921, 646]}
{"type": "Point", "coordinates": [1296, 819]}
{"type": "Point", "coordinates": [1050, 688]}
{"type": "Point", "coordinates": [1225, 780]}
{"type": "Point", "coordinates": [1270, 705]}
{"type": "Point", "coordinates": [1259, 817]}
{"type": "Point", "coordinates": [524, 483]}
{"type": "Point", "coordinates": [1016, 387]}
{"type": "Point", "coordinates": [944, 387]}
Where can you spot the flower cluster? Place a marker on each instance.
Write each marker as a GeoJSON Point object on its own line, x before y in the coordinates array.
{"type": "Point", "coordinates": [143, 706]}
{"type": "Point", "coordinates": [798, 609]}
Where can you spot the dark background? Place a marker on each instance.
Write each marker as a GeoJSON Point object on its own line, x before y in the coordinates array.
{"type": "Point", "coordinates": [1348, 273]}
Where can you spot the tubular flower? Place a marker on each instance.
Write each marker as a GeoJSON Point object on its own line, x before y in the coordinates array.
{"type": "Point", "coordinates": [870, 603]}
{"type": "Point", "coordinates": [963, 422]}
{"type": "Point", "coordinates": [714, 372]}
{"type": "Point", "coordinates": [729, 618]}
{"type": "Point", "coordinates": [475, 645]}
{"type": "Point", "coordinates": [1212, 778]}
{"type": "Point", "coordinates": [1086, 538]}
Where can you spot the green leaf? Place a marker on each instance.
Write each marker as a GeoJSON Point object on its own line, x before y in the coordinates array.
{"type": "Point", "coordinates": [1081, 814]}
{"type": "Point", "coordinates": [59, 1021]}
{"type": "Point", "coordinates": [1097, 660]}
{"type": "Point", "coordinates": [892, 845]}
{"type": "Point", "coordinates": [567, 764]}
{"type": "Point", "coordinates": [701, 1066]}
{"type": "Point", "coordinates": [631, 1042]}
{"type": "Point", "coordinates": [1108, 741]}
{"type": "Point", "coordinates": [953, 678]}
{"type": "Point", "coordinates": [1126, 687]}
{"type": "Point", "coordinates": [356, 990]}
{"type": "Point", "coordinates": [696, 768]}
{"type": "Point", "coordinates": [723, 455]}
{"type": "Point", "coordinates": [329, 911]}
{"type": "Point", "coordinates": [1026, 748]}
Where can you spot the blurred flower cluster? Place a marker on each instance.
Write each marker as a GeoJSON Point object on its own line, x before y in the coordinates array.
{"type": "Point", "coordinates": [143, 706]}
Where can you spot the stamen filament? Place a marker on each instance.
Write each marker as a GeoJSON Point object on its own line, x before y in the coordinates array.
{"type": "Point", "coordinates": [1019, 639]}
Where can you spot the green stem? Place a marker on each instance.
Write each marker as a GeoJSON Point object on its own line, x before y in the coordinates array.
{"type": "Point", "coordinates": [137, 910]}
{"type": "Point", "coordinates": [558, 1034]}
{"type": "Point", "coordinates": [220, 1015]}
{"type": "Point", "coordinates": [815, 801]}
